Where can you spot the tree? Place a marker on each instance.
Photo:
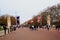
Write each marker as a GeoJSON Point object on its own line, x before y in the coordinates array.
{"type": "Point", "coordinates": [3, 20]}
{"type": "Point", "coordinates": [54, 12]}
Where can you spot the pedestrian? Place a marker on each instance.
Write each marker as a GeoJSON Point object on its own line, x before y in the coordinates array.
{"type": "Point", "coordinates": [36, 26]}
{"type": "Point", "coordinates": [18, 26]}
{"type": "Point", "coordinates": [32, 27]}
{"type": "Point", "coordinates": [58, 27]}
{"type": "Point", "coordinates": [11, 28]}
{"type": "Point", "coordinates": [48, 26]}
{"type": "Point", "coordinates": [14, 28]}
{"type": "Point", "coordinates": [4, 27]}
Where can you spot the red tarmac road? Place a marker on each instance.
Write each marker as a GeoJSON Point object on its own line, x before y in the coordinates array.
{"type": "Point", "coordinates": [27, 34]}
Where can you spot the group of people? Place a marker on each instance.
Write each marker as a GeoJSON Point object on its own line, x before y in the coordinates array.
{"type": "Point", "coordinates": [12, 28]}
{"type": "Point", "coordinates": [57, 27]}
{"type": "Point", "coordinates": [35, 27]}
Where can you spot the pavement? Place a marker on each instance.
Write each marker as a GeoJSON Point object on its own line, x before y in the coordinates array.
{"type": "Point", "coordinates": [2, 33]}
{"type": "Point", "coordinates": [27, 34]}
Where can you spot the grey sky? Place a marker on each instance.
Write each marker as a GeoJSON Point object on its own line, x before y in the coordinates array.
{"type": "Point", "coordinates": [26, 9]}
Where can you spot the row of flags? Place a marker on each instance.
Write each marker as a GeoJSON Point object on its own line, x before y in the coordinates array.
{"type": "Point", "coordinates": [31, 21]}
{"type": "Point", "coordinates": [38, 19]}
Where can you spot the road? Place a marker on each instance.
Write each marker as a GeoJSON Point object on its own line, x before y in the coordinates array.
{"type": "Point", "coordinates": [27, 34]}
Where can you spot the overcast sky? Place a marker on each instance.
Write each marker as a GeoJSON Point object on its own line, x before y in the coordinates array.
{"type": "Point", "coordinates": [26, 9]}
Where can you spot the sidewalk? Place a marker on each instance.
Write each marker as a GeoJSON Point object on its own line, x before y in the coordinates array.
{"type": "Point", "coordinates": [2, 33]}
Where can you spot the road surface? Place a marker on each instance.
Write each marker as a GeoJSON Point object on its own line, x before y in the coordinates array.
{"type": "Point", "coordinates": [27, 34]}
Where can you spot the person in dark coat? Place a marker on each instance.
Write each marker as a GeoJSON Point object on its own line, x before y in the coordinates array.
{"type": "Point", "coordinates": [36, 26]}
{"type": "Point", "coordinates": [57, 27]}
{"type": "Point", "coordinates": [11, 28]}
{"type": "Point", "coordinates": [4, 27]}
{"type": "Point", "coordinates": [14, 28]}
{"type": "Point", "coordinates": [48, 26]}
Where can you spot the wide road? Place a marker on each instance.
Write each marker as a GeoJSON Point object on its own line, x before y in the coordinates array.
{"type": "Point", "coordinates": [27, 34]}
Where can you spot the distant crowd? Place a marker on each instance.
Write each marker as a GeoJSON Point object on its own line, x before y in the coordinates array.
{"type": "Point", "coordinates": [32, 27]}
{"type": "Point", "coordinates": [35, 27]}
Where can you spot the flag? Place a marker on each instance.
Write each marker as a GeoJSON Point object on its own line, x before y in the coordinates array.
{"type": "Point", "coordinates": [31, 21]}
{"type": "Point", "coordinates": [18, 19]}
{"type": "Point", "coordinates": [38, 19]}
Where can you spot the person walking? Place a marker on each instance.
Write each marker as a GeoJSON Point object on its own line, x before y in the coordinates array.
{"type": "Point", "coordinates": [32, 27]}
{"type": "Point", "coordinates": [14, 28]}
{"type": "Point", "coordinates": [4, 27]}
{"type": "Point", "coordinates": [11, 28]}
{"type": "Point", "coordinates": [36, 25]}
{"type": "Point", "coordinates": [48, 26]}
{"type": "Point", "coordinates": [58, 27]}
